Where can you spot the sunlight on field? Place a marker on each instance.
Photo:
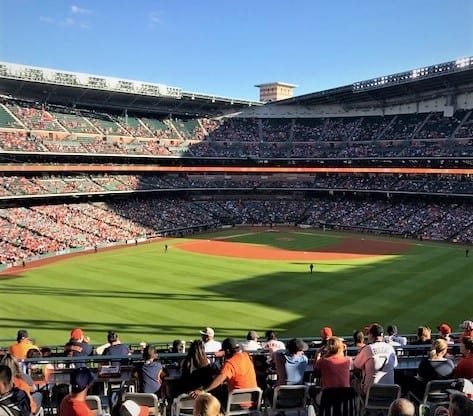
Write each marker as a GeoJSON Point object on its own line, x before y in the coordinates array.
{"type": "Point", "coordinates": [144, 293]}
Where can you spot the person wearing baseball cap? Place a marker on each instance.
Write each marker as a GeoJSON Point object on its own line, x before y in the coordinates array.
{"type": "Point", "coordinates": [291, 364]}
{"type": "Point", "coordinates": [74, 403]}
{"type": "Point", "coordinates": [377, 360]}
{"type": "Point", "coordinates": [210, 344]}
{"type": "Point", "coordinates": [238, 370]}
{"type": "Point", "coordinates": [78, 346]}
{"type": "Point", "coordinates": [445, 332]}
{"type": "Point", "coordinates": [22, 346]}
{"type": "Point", "coordinates": [251, 343]}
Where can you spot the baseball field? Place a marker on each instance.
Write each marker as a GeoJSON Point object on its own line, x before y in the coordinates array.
{"type": "Point", "coordinates": [240, 279]}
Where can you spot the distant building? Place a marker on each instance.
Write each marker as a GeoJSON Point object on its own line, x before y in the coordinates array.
{"type": "Point", "coordinates": [274, 91]}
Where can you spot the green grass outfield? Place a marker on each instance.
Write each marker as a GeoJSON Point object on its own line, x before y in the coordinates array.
{"type": "Point", "coordinates": [146, 294]}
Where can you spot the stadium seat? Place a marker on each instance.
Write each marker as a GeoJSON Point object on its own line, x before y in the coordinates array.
{"type": "Point", "coordinates": [338, 402]}
{"type": "Point", "coordinates": [95, 404]}
{"type": "Point", "coordinates": [148, 400]}
{"type": "Point", "coordinates": [379, 397]}
{"type": "Point", "coordinates": [182, 405]}
{"type": "Point", "coordinates": [244, 402]}
{"type": "Point", "coordinates": [289, 398]}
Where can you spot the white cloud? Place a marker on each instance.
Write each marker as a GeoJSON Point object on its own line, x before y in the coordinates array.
{"type": "Point", "coordinates": [71, 19]}
{"type": "Point", "coordinates": [155, 18]}
{"type": "Point", "coordinates": [78, 10]}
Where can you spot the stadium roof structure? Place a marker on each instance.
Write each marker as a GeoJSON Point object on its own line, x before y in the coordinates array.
{"type": "Point", "coordinates": [111, 94]}
{"type": "Point", "coordinates": [428, 82]}
{"type": "Point", "coordinates": [99, 92]}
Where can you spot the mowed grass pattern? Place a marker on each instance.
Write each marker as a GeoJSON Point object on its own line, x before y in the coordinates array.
{"type": "Point", "coordinates": [146, 294]}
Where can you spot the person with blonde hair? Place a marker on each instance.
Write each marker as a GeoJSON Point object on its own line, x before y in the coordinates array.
{"type": "Point", "coordinates": [207, 405]}
{"type": "Point", "coordinates": [423, 336]}
{"type": "Point", "coordinates": [434, 367]}
{"type": "Point", "coordinates": [402, 407]}
{"type": "Point", "coordinates": [333, 367]}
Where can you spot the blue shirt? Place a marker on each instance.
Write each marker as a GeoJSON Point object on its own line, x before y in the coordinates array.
{"type": "Point", "coordinates": [290, 368]}
{"type": "Point", "coordinates": [148, 373]}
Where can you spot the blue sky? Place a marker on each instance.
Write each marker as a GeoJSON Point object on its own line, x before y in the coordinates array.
{"type": "Point", "coordinates": [226, 47]}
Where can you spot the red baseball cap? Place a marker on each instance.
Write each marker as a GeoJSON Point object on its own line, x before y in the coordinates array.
{"type": "Point", "coordinates": [444, 329]}
{"type": "Point", "coordinates": [326, 332]}
{"type": "Point", "coordinates": [77, 333]}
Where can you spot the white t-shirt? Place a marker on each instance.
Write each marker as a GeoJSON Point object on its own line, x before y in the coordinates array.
{"type": "Point", "coordinates": [378, 361]}
{"type": "Point", "coordinates": [212, 346]}
{"type": "Point", "coordinates": [274, 345]}
{"type": "Point", "coordinates": [251, 345]}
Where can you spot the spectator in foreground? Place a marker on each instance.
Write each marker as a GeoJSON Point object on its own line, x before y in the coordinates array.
{"type": "Point", "coordinates": [23, 381]}
{"type": "Point", "coordinates": [74, 403]}
{"type": "Point", "coordinates": [435, 367]}
{"type": "Point", "coordinates": [238, 370]}
{"type": "Point", "coordinates": [291, 365]}
{"type": "Point", "coordinates": [149, 373]}
{"type": "Point", "coordinates": [207, 405]}
{"type": "Point", "coordinates": [196, 369]}
{"type": "Point", "coordinates": [377, 361]}
{"type": "Point", "coordinates": [460, 405]}
{"type": "Point", "coordinates": [464, 367]}
{"type": "Point", "coordinates": [13, 401]}
{"type": "Point", "coordinates": [402, 407]}
{"type": "Point", "coordinates": [334, 367]}
{"type": "Point", "coordinates": [23, 344]}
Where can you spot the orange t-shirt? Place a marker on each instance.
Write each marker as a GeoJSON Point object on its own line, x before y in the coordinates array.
{"type": "Point", "coordinates": [20, 349]}
{"type": "Point", "coordinates": [240, 372]}
{"type": "Point", "coordinates": [73, 407]}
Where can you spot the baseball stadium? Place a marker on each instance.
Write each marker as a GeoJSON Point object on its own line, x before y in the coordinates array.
{"type": "Point", "coordinates": [155, 212]}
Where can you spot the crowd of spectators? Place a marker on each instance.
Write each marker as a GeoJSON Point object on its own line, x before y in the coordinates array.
{"type": "Point", "coordinates": [88, 183]}
{"type": "Point", "coordinates": [340, 371]}
{"type": "Point", "coordinates": [51, 228]}
{"type": "Point", "coordinates": [82, 131]}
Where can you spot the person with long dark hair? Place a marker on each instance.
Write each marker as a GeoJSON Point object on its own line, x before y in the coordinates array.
{"type": "Point", "coordinates": [196, 369]}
